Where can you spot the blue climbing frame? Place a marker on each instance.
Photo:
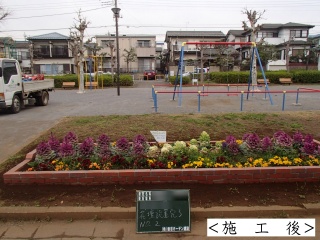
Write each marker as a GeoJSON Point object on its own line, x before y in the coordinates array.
{"type": "Point", "coordinates": [254, 53]}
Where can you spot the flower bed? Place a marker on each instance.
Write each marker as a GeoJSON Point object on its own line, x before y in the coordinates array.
{"type": "Point", "coordinates": [281, 158]}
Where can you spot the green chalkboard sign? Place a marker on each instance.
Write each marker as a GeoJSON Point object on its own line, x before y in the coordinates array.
{"type": "Point", "coordinates": [163, 211]}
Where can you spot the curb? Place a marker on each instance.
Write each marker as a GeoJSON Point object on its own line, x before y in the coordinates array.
{"type": "Point", "coordinates": [98, 213]}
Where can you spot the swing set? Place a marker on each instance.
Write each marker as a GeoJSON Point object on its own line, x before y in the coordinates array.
{"type": "Point", "coordinates": [92, 66]}
{"type": "Point", "coordinates": [254, 53]}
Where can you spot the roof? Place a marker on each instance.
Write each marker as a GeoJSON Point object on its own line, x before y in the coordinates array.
{"type": "Point", "coordinates": [206, 34]}
{"type": "Point", "coordinates": [126, 36]}
{"type": "Point", "coordinates": [21, 44]}
{"type": "Point", "coordinates": [50, 36]}
{"type": "Point", "coordinates": [237, 33]}
{"type": "Point", "coordinates": [286, 25]}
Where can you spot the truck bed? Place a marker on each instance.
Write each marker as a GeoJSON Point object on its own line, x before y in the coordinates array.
{"type": "Point", "coordinates": [32, 86]}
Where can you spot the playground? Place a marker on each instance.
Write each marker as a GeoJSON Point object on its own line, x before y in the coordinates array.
{"type": "Point", "coordinates": [218, 98]}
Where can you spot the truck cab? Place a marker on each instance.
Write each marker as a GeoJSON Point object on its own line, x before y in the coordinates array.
{"type": "Point", "coordinates": [14, 92]}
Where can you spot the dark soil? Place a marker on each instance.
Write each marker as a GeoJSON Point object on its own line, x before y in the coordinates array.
{"type": "Point", "coordinates": [286, 194]}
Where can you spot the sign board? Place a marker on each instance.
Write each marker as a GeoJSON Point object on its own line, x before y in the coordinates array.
{"type": "Point", "coordinates": [159, 136]}
{"type": "Point", "coordinates": [163, 211]}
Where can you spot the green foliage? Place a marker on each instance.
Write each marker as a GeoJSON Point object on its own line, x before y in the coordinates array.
{"type": "Point", "coordinates": [273, 76]}
{"type": "Point", "coordinates": [185, 80]}
{"type": "Point", "coordinates": [125, 80]}
{"type": "Point", "coordinates": [306, 76]}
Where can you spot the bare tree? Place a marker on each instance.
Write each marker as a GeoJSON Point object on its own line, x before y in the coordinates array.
{"type": "Point", "coordinates": [253, 17]}
{"type": "Point", "coordinates": [77, 35]}
{"type": "Point", "coordinates": [3, 13]}
{"type": "Point", "coordinates": [129, 56]}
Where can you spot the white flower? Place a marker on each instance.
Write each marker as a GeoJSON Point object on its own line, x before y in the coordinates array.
{"type": "Point", "coordinates": [193, 148]}
{"type": "Point", "coordinates": [153, 150]}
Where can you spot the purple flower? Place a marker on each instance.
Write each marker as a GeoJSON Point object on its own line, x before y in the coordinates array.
{"type": "Point", "coordinates": [66, 149]}
{"type": "Point", "coordinates": [71, 137]}
{"type": "Point", "coordinates": [252, 140]}
{"type": "Point", "coordinates": [43, 149]}
{"type": "Point", "coordinates": [54, 143]}
{"type": "Point", "coordinates": [309, 148]}
{"type": "Point", "coordinates": [308, 138]}
{"type": "Point", "coordinates": [266, 143]}
{"type": "Point", "coordinates": [282, 139]}
{"type": "Point", "coordinates": [123, 144]}
{"type": "Point", "coordinates": [138, 149]}
{"type": "Point", "coordinates": [104, 151]}
{"type": "Point", "coordinates": [298, 138]}
{"type": "Point", "coordinates": [139, 139]}
{"type": "Point", "coordinates": [230, 139]}
{"type": "Point", "coordinates": [87, 147]}
{"type": "Point", "coordinates": [103, 141]}
{"type": "Point", "coordinates": [233, 148]}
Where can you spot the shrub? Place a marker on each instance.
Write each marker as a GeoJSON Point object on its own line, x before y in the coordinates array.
{"type": "Point", "coordinates": [306, 76]}
{"type": "Point", "coordinates": [185, 80]}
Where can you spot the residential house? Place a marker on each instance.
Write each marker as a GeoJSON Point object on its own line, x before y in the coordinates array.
{"type": "Point", "coordinates": [290, 40]}
{"type": "Point", "coordinates": [50, 54]}
{"type": "Point", "coordinates": [192, 53]}
{"type": "Point", "coordinates": [23, 55]}
{"type": "Point", "coordinates": [315, 41]}
{"type": "Point", "coordinates": [144, 46]}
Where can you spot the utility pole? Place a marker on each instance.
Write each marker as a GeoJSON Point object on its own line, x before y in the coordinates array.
{"type": "Point", "coordinates": [116, 12]}
{"type": "Point", "coordinates": [31, 57]}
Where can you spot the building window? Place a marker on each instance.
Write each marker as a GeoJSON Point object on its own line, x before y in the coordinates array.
{"type": "Point", "coordinates": [51, 68]}
{"type": "Point", "coordinates": [107, 42]}
{"type": "Point", "coordinates": [299, 33]}
{"type": "Point", "coordinates": [267, 34]}
{"type": "Point", "coordinates": [143, 43]}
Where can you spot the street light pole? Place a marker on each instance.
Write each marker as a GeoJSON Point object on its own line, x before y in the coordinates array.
{"type": "Point", "coordinates": [116, 12]}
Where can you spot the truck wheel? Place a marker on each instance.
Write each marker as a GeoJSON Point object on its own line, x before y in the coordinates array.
{"type": "Point", "coordinates": [16, 104]}
{"type": "Point", "coordinates": [43, 99]}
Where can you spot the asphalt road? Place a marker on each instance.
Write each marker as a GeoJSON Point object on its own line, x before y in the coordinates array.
{"type": "Point", "coordinates": [17, 130]}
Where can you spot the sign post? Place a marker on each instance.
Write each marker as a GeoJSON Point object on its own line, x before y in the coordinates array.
{"type": "Point", "coordinates": [163, 211]}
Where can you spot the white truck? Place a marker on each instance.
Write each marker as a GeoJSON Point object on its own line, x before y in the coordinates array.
{"type": "Point", "coordinates": [15, 93]}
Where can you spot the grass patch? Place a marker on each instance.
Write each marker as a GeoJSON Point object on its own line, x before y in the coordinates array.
{"type": "Point", "coordinates": [179, 127]}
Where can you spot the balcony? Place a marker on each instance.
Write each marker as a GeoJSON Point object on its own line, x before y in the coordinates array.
{"type": "Point", "coordinates": [56, 52]}
{"type": "Point", "coordinates": [146, 52]}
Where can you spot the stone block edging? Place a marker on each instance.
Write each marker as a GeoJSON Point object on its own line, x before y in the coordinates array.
{"type": "Point", "coordinates": [133, 176]}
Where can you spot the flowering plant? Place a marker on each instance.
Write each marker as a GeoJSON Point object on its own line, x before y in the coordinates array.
{"type": "Point", "coordinates": [251, 151]}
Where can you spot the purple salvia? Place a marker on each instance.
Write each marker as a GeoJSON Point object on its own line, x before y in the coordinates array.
{"type": "Point", "coordinates": [87, 147]}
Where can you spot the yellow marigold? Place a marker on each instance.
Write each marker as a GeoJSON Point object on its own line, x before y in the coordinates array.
{"type": "Point", "coordinates": [239, 142]}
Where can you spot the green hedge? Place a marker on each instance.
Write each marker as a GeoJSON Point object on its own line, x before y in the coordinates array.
{"type": "Point", "coordinates": [273, 76]}
{"type": "Point", "coordinates": [306, 76]}
{"type": "Point", "coordinates": [185, 80]}
{"type": "Point", "coordinates": [106, 80]}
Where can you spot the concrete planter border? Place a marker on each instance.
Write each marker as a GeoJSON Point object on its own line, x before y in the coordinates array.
{"type": "Point", "coordinates": [16, 176]}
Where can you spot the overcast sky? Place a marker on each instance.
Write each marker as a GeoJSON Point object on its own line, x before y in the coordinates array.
{"type": "Point", "coordinates": [36, 17]}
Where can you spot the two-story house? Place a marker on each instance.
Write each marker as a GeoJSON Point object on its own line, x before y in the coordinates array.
{"type": "Point", "coordinates": [290, 40]}
{"type": "Point", "coordinates": [315, 41]}
{"type": "Point", "coordinates": [23, 55]}
{"type": "Point", "coordinates": [143, 45]}
{"type": "Point", "coordinates": [50, 54]}
{"type": "Point", "coordinates": [192, 53]}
